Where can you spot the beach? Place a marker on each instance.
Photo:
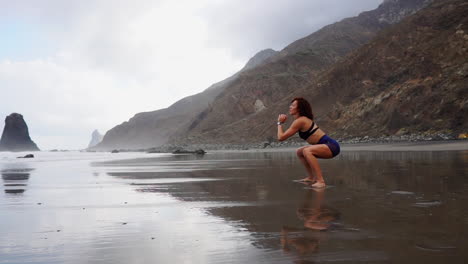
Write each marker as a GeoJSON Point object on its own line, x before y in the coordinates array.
{"type": "Point", "coordinates": [397, 203]}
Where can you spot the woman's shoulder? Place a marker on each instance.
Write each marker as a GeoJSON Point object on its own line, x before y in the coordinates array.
{"type": "Point", "coordinates": [302, 122]}
{"type": "Point", "coordinates": [304, 119]}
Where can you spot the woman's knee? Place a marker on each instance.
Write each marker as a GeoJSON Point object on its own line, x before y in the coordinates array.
{"type": "Point", "coordinates": [308, 152]}
{"type": "Point", "coordinates": [300, 152]}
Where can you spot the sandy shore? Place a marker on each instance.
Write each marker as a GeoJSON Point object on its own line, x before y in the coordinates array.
{"type": "Point", "coordinates": [409, 146]}
{"type": "Point", "coordinates": [456, 145]}
{"type": "Point", "coordinates": [240, 207]}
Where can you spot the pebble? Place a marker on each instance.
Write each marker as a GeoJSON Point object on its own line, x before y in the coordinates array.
{"type": "Point", "coordinates": [428, 204]}
{"type": "Point", "coordinates": [402, 192]}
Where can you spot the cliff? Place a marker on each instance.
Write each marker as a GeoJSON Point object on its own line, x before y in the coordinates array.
{"type": "Point", "coordinates": [96, 138]}
{"type": "Point", "coordinates": [15, 136]}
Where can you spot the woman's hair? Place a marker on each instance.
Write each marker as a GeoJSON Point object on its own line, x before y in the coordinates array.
{"type": "Point", "coordinates": [303, 107]}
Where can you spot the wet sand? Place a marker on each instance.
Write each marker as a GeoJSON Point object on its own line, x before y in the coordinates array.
{"type": "Point", "coordinates": [414, 146]}
{"type": "Point", "coordinates": [234, 207]}
{"type": "Point", "coordinates": [455, 145]}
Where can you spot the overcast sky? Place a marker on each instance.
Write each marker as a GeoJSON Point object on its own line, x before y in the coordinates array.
{"type": "Point", "coordinates": [74, 66]}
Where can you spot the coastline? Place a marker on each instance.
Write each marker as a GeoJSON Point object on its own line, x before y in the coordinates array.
{"type": "Point", "coordinates": [407, 142]}
{"type": "Point", "coordinates": [434, 145]}
{"type": "Point", "coordinates": [451, 145]}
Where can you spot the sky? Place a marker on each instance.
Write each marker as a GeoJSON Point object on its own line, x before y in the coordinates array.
{"type": "Point", "coordinates": [70, 67]}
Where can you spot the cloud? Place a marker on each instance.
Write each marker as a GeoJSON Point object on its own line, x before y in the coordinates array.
{"type": "Point", "coordinates": [246, 28]}
{"type": "Point", "coordinates": [74, 66]}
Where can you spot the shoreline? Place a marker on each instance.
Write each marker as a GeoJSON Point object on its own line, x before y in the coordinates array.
{"type": "Point", "coordinates": [432, 145]}
{"type": "Point", "coordinates": [452, 145]}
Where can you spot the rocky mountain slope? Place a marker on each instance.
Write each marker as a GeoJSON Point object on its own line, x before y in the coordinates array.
{"type": "Point", "coordinates": [410, 79]}
{"type": "Point", "coordinates": [294, 68]}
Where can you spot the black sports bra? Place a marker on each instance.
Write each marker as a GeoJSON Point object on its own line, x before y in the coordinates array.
{"type": "Point", "coordinates": [305, 135]}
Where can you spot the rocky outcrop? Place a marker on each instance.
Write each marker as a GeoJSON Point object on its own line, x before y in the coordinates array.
{"type": "Point", "coordinates": [185, 151]}
{"type": "Point", "coordinates": [96, 138]}
{"type": "Point", "coordinates": [27, 156]}
{"type": "Point", "coordinates": [410, 79]}
{"type": "Point", "coordinates": [15, 135]}
{"type": "Point", "coordinates": [397, 10]}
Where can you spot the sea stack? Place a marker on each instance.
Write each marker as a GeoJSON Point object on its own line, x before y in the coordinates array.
{"type": "Point", "coordinates": [96, 138]}
{"type": "Point", "coordinates": [15, 135]}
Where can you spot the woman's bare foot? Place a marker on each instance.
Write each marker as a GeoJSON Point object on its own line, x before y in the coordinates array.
{"type": "Point", "coordinates": [307, 180]}
{"type": "Point", "coordinates": [318, 185]}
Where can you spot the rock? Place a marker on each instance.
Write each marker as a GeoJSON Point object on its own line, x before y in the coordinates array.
{"type": "Point", "coordinates": [28, 156]}
{"type": "Point", "coordinates": [259, 106]}
{"type": "Point", "coordinates": [200, 152]}
{"type": "Point", "coordinates": [184, 151]}
{"type": "Point", "coordinates": [15, 135]}
{"type": "Point", "coordinates": [115, 151]}
{"type": "Point", "coordinates": [96, 138]}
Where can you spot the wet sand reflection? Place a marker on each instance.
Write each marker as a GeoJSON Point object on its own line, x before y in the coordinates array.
{"type": "Point", "coordinates": [381, 205]}
{"type": "Point", "coordinates": [317, 217]}
{"type": "Point", "coordinates": [15, 179]}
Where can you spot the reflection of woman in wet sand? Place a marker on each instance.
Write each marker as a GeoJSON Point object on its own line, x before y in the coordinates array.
{"type": "Point", "coordinates": [316, 217]}
{"type": "Point", "coordinates": [315, 214]}
{"type": "Point", "coordinates": [322, 146]}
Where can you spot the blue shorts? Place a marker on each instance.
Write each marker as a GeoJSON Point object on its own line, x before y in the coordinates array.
{"type": "Point", "coordinates": [331, 144]}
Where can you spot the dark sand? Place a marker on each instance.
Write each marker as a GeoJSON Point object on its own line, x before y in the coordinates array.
{"type": "Point", "coordinates": [389, 206]}
{"type": "Point", "coordinates": [455, 145]}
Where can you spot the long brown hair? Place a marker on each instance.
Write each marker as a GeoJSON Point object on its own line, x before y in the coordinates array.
{"type": "Point", "coordinates": [303, 107]}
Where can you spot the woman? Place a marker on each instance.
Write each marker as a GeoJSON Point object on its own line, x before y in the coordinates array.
{"type": "Point", "coordinates": [322, 146]}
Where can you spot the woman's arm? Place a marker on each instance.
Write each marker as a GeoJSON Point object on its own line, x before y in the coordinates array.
{"type": "Point", "coordinates": [295, 126]}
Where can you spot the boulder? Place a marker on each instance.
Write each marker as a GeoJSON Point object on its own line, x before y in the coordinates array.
{"type": "Point", "coordinates": [28, 156]}
{"type": "Point", "coordinates": [184, 151]}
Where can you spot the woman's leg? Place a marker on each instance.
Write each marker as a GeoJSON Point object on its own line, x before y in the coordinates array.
{"type": "Point", "coordinates": [311, 153]}
{"type": "Point", "coordinates": [310, 174]}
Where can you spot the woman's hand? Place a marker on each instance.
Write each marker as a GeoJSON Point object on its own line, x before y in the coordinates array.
{"type": "Point", "coordinates": [282, 118]}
